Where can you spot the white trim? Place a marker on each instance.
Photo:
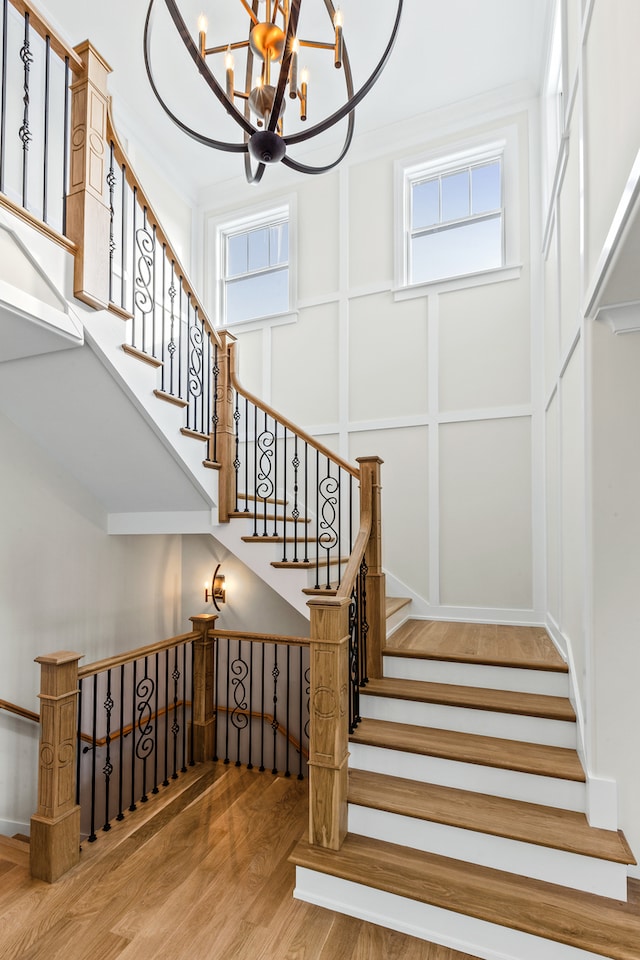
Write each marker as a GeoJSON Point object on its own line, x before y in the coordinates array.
{"type": "Point", "coordinates": [461, 282]}
{"type": "Point", "coordinates": [621, 317]}
{"type": "Point", "coordinates": [9, 827]}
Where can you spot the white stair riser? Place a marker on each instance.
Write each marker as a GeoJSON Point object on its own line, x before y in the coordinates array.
{"type": "Point", "coordinates": [478, 675]}
{"type": "Point", "coordinates": [456, 931]}
{"type": "Point", "coordinates": [542, 863]}
{"type": "Point", "coordinates": [513, 784]}
{"type": "Point", "coordinates": [555, 733]}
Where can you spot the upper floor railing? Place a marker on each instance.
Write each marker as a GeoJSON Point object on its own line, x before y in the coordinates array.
{"type": "Point", "coordinates": [35, 116]}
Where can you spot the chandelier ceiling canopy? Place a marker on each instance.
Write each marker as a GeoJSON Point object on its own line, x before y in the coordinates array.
{"type": "Point", "coordinates": [271, 71]}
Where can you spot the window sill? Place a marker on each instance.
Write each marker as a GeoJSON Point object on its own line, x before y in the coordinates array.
{"type": "Point", "coordinates": [259, 323]}
{"type": "Point", "coordinates": [463, 282]}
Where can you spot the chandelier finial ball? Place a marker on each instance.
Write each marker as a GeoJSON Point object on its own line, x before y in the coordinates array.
{"type": "Point", "coordinates": [265, 146]}
{"type": "Point", "coordinates": [267, 41]}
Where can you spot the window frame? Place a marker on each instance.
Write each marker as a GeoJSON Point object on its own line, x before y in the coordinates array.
{"type": "Point", "coordinates": [245, 221]}
{"type": "Point", "coordinates": [502, 145]}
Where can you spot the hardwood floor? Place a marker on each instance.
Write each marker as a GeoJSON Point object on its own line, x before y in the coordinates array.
{"type": "Point", "coordinates": [206, 877]}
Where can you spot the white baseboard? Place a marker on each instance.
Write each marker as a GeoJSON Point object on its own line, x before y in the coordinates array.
{"type": "Point", "coordinates": [602, 803]}
{"type": "Point", "coordinates": [9, 827]}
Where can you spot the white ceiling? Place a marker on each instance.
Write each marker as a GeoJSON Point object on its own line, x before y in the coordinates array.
{"type": "Point", "coordinates": [447, 51]}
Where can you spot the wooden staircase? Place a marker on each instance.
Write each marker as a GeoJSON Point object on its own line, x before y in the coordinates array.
{"type": "Point", "coordinates": [466, 806]}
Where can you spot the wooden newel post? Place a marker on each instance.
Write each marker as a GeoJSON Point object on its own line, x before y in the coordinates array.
{"type": "Point", "coordinates": [370, 494]}
{"type": "Point", "coordinates": [226, 428]}
{"type": "Point", "coordinates": [55, 828]}
{"type": "Point", "coordinates": [329, 721]}
{"type": "Point", "coordinates": [88, 215]}
{"type": "Point", "coordinates": [202, 710]}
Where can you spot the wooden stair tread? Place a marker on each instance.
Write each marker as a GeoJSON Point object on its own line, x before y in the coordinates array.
{"type": "Point", "coordinates": [534, 758]}
{"type": "Point", "coordinates": [584, 920]}
{"type": "Point", "coordinates": [474, 698]}
{"type": "Point", "coordinates": [498, 816]}
{"type": "Point", "coordinates": [244, 497]}
{"type": "Point", "coordinates": [490, 644]}
{"type": "Point", "coordinates": [260, 517]}
{"type": "Point", "coordinates": [260, 538]}
{"type": "Point", "coordinates": [308, 564]}
{"type": "Point", "coordinates": [393, 604]}
{"type": "Point", "coordinates": [329, 591]}
{"type": "Point", "coordinates": [170, 398]}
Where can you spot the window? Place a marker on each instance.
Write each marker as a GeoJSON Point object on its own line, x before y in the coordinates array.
{"type": "Point", "coordinates": [254, 267]}
{"type": "Point", "coordinates": [457, 215]}
{"type": "Point", "coordinates": [456, 222]}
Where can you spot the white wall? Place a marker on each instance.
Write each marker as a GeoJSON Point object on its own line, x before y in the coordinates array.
{"type": "Point", "coordinates": [438, 385]}
{"type": "Point", "coordinates": [591, 399]}
{"type": "Point", "coordinates": [66, 585]}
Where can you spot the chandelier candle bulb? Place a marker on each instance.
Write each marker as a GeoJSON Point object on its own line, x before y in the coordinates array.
{"type": "Point", "coordinates": [203, 26]}
{"type": "Point", "coordinates": [304, 79]}
{"type": "Point", "coordinates": [228, 63]}
{"type": "Point", "coordinates": [338, 21]}
{"type": "Point", "coordinates": [293, 76]}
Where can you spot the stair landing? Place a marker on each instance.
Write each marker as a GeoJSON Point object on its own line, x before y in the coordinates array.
{"type": "Point", "coordinates": [492, 644]}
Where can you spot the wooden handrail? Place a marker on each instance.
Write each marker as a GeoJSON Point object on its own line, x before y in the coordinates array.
{"type": "Point", "coordinates": [111, 662]}
{"type": "Point", "coordinates": [357, 555]}
{"type": "Point", "coordinates": [38, 23]}
{"type": "Point", "coordinates": [121, 158]}
{"type": "Point", "coordinates": [261, 405]}
{"type": "Point", "coordinates": [19, 711]}
{"type": "Point", "coordinates": [260, 637]}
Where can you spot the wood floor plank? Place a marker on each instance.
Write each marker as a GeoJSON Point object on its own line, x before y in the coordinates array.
{"type": "Point", "coordinates": [494, 644]}
{"type": "Point", "coordinates": [496, 816]}
{"type": "Point", "coordinates": [210, 880]}
{"type": "Point", "coordinates": [605, 927]}
{"type": "Point", "coordinates": [473, 698]}
{"type": "Point", "coordinates": [535, 758]}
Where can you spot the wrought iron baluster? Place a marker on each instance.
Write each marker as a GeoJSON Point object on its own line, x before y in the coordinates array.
{"type": "Point", "coordinates": [183, 768]}
{"type": "Point", "coordinates": [328, 535]}
{"type": "Point", "coordinates": [25, 133]}
{"type": "Point", "coordinates": [123, 234]}
{"type": "Point", "coordinates": [171, 346]}
{"type": "Point", "coordinates": [255, 470]}
{"type": "Point", "coordinates": [133, 271]}
{"type": "Point", "coordinates": [339, 552]}
{"type": "Point", "coordinates": [107, 769]}
{"type": "Point", "coordinates": [306, 501]}
{"type": "Point", "coordinates": [157, 709]}
{"type": "Point", "coordinates": [239, 719]}
{"type": "Point", "coordinates": [284, 496]}
{"type": "Point", "coordinates": [67, 142]}
{"type": "Point", "coordinates": [300, 727]}
{"type": "Point", "coordinates": [175, 726]}
{"type": "Point", "coordinates": [94, 737]}
{"type": "Point", "coordinates": [246, 455]}
{"type": "Point", "coordinates": [195, 362]}
{"type": "Point", "coordinates": [275, 673]}
{"type": "Point", "coordinates": [45, 151]}
{"type": "Point", "coordinates": [180, 341]}
{"type": "Point", "coordinates": [250, 708]}
{"type": "Point", "coordinates": [165, 782]}
{"type": "Point", "coordinates": [228, 701]}
{"type": "Point", "coordinates": [295, 513]}
{"type": "Point", "coordinates": [364, 625]}
{"type": "Point", "coordinates": [262, 674]}
{"type": "Point", "coordinates": [317, 584]}
{"type": "Point", "coordinates": [163, 345]}
{"type": "Point", "coordinates": [192, 761]}
{"type": "Point", "coordinates": [120, 815]}
{"type": "Point", "coordinates": [144, 275]}
{"type": "Point", "coordinates": [111, 183]}
{"type": "Point", "coordinates": [154, 298]}
{"type": "Point", "coordinates": [275, 482]}
{"type": "Point", "coordinates": [79, 733]}
{"type": "Point", "coordinates": [354, 660]}
{"type": "Point", "coordinates": [287, 771]}
{"type": "Point", "coordinates": [216, 699]}
{"type": "Point", "coordinates": [236, 460]}
{"type": "Point", "coordinates": [132, 805]}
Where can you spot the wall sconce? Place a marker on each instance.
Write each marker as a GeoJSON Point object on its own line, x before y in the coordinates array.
{"type": "Point", "coordinates": [217, 592]}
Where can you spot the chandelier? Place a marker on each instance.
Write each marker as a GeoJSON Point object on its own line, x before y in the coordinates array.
{"type": "Point", "coordinates": [272, 72]}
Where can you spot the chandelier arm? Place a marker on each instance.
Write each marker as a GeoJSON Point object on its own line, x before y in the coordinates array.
{"type": "Point", "coordinates": [357, 97]}
{"type": "Point", "coordinates": [252, 177]}
{"type": "Point", "coordinates": [203, 69]}
{"type": "Point", "coordinates": [292, 28]}
{"type": "Point", "coordinates": [200, 137]}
